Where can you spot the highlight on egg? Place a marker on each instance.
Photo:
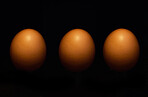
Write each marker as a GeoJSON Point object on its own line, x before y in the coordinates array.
{"type": "Point", "coordinates": [77, 50]}
{"type": "Point", "coordinates": [121, 50]}
{"type": "Point", "coordinates": [28, 50]}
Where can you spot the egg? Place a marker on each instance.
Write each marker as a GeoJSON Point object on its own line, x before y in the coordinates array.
{"type": "Point", "coordinates": [121, 50]}
{"type": "Point", "coordinates": [77, 50]}
{"type": "Point", "coordinates": [28, 50]}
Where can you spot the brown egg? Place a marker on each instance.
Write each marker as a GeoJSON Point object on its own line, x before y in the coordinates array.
{"type": "Point", "coordinates": [121, 50]}
{"type": "Point", "coordinates": [77, 50]}
{"type": "Point", "coordinates": [28, 50]}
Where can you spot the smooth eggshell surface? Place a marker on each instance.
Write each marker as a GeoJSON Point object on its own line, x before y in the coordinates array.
{"type": "Point", "coordinates": [28, 50]}
{"type": "Point", "coordinates": [121, 50]}
{"type": "Point", "coordinates": [77, 50]}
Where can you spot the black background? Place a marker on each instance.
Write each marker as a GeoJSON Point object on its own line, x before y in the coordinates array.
{"type": "Point", "coordinates": [53, 19]}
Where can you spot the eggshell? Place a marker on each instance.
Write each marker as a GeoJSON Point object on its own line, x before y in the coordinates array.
{"type": "Point", "coordinates": [121, 50]}
{"type": "Point", "coordinates": [77, 50]}
{"type": "Point", "coordinates": [28, 50]}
